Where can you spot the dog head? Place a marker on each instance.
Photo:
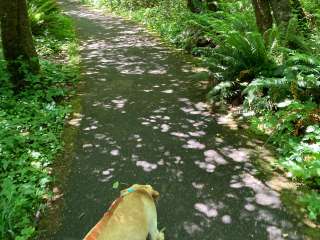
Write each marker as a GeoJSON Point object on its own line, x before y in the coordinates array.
{"type": "Point", "coordinates": [145, 188]}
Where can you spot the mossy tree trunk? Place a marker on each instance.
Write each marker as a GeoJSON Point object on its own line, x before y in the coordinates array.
{"type": "Point", "coordinates": [194, 5]}
{"type": "Point", "coordinates": [1, 9]}
{"type": "Point", "coordinates": [280, 10]}
{"type": "Point", "coordinates": [263, 15]}
{"type": "Point", "coordinates": [18, 47]}
{"type": "Point", "coordinates": [284, 9]}
{"type": "Point", "coordinates": [212, 5]}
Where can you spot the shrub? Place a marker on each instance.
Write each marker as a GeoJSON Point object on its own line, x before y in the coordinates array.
{"type": "Point", "coordinates": [312, 201]}
{"type": "Point", "coordinates": [31, 124]}
{"type": "Point", "coordinates": [236, 63]}
{"type": "Point", "coordinates": [298, 78]}
{"type": "Point", "coordinates": [287, 108]}
{"type": "Point", "coordinates": [41, 13]}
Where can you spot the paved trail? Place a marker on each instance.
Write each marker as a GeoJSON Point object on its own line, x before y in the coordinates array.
{"type": "Point", "coordinates": [143, 122]}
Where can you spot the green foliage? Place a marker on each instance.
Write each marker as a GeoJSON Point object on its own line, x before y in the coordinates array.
{"type": "Point", "coordinates": [312, 9]}
{"type": "Point", "coordinates": [169, 24]}
{"type": "Point", "coordinates": [298, 78]}
{"type": "Point", "coordinates": [286, 105]}
{"type": "Point", "coordinates": [46, 19]}
{"type": "Point", "coordinates": [297, 134]}
{"type": "Point", "coordinates": [115, 185]}
{"type": "Point", "coordinates": [312, 201]}
{"type": "Point", "coordinates": [235, 63]}
{"type": "Point", "coordinates": [128, 5]}
{"type": "Point", "coordinates": [31, 124]}
{"type": "Point", "coordinates": [41, 13]}
{"type": "Point", "coordinates": [136, 4]}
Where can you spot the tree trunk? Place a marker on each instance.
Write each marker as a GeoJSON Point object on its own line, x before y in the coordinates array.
{"type": "Point", "coordinates": [281, 12]}
{"type": "Point", "coordinates": [1, 9]}
{"type": "Point", "coordinates": [191, 4]}
{"type": "Point", "coordinates": [18, 47]}
{"type": "Point", "coordinates": [263, 15]}
{"type": "Point", "coordinates": [212, 5]}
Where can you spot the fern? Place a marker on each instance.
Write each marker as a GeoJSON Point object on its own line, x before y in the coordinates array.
{"type": "Point", "coordinates": [239, 53]}
{"type": "Point", "coordinates": [40, 13]}
{"type": "Point", "coordinates": [300, 80]}
{"type": "Point", "coordinates": [223, 23]}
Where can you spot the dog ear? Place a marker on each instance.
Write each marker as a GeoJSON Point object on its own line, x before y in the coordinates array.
{"type": "Point", "coordinates": [123, 192]}
{"type": "Point", "coordinates": [155, 195]}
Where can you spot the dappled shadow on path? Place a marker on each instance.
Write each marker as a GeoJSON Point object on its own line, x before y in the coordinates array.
{"type": "Point", "coordinates": [142, 122]}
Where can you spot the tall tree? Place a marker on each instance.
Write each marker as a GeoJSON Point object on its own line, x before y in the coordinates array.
{"type": "Point", "coordinates": [17, 42]}
{"type": "Point", "coordinates": [194, 5]}
{"type": "Point", "coordinates": [212, 5]}
{"type": "Point", "coordinates": [263, 14]}
{"type": "Point", "coordinates": [281, 10]}
{"type": "Point", "coordinates": [1, 9]}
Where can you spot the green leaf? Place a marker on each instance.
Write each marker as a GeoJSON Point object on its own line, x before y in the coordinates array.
{"type": "Point", "coordinates": [115, 185]}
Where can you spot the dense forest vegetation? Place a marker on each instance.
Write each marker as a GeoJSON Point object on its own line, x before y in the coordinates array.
{"type": "Point", "coordinates": [262, 56]}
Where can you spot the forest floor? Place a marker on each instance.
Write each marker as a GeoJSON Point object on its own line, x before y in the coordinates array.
{"type": "Point", "coordinates": [143, 120]}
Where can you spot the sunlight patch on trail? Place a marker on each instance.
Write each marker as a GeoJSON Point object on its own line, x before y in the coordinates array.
{"type": "Point", "coordinates": [76, 119]}
{"type": "Point", "coordinates": [193, 144]}
{"type": "Point", "coordinates": [209, 209]}
{"type": "Point", "coordinates": [147, 167]}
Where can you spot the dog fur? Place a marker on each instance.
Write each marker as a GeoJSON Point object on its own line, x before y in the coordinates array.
{"type": "Point", "coordinates": [132, 216]}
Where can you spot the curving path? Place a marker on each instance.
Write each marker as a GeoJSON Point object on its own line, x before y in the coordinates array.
{"type": "Point", "coordinates": [143, 122]}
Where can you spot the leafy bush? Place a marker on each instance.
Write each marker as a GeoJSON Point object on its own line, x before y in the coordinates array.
{"type": "Point", "coordinates": [128, 5]}
{"type": "Point", "coordinates": [31, 124]}
{"type": "Point", "coordinates": [236, 63]}
{"type": "Point", "coordinates": [287, 108]}
{"type": "Point", "coordinates": [46, 19]}
{"type": "Point", "coordinates": [168, 24]}
{"type": "Point", "coordinates": [312, 201]}
{"type": "Point", "coordinates": [137, 4]}
{"type": "Point", "coordinates": [298, 78]}
{"type": "Point", "coordinates": [294, 129]}
{"type": "Point", "coordinates": [41, 13]}
{"type": "Point", "coordinates": [311, 7]}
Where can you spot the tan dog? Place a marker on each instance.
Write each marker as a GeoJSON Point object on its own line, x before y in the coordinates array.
{"type": "Point", "coordinates": [132, 216]}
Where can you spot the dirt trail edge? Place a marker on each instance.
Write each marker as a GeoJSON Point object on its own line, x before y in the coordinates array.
{"type": "Point", "coordinates": [144, 122]}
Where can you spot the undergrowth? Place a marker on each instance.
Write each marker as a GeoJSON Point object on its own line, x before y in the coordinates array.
{"type": "Point", "coordinates": [276, 77]}
{"type": "Point", "coordinates": [31, 122]}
